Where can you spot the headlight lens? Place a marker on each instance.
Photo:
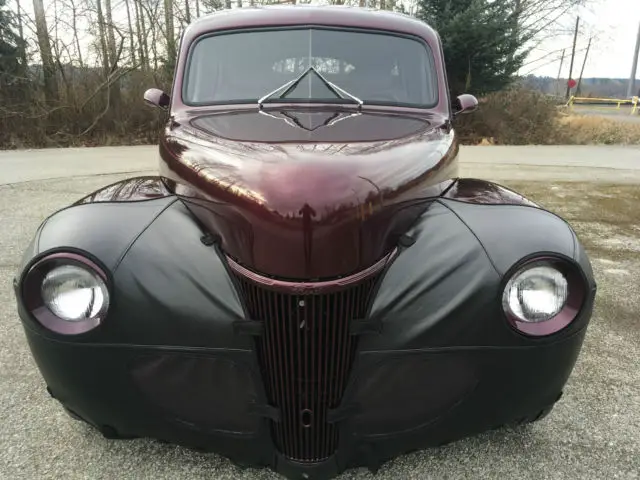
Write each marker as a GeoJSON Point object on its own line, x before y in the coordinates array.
{"type": "Point", "coordinates": [73, 293]}
{"type": "Point", "coordinates": [66, 293]}
{"type": "Point", "coordinates": [536, 294]}
{"type": "Point", "coordinates": [544, 295]}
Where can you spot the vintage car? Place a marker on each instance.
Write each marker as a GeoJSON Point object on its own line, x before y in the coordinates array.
{"type": "Point", "coordinates": [307, 284]}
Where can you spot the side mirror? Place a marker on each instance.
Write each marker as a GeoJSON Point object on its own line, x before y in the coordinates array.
{"type": "Point", "coordinates": [465, 103]}
{"type": "Point", "coordinates": [157, 98]}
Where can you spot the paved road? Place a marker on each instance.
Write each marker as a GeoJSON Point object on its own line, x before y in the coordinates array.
{"type": "Point", "coordinates": [593, 433]}
{"type": "Point", "coordinates": [567, 162]}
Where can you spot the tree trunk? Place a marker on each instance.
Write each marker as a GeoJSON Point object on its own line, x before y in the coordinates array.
{"type": "Point", "coordinates": [197, 8]}
{"type": "Point", "coordinates": [239, 3]}
{"type": "Point", "coordinates": [132, 44]}
{"type": "Point", "coordinates": [143, 48]}
{"type": "Point", "coordinates": [22, 47]}
{"type": "Point", "coordinates": [187, 12]}
{"type": "Point", "coordinates": [113, 57]}
{"type": "Point", "coordinates": [171, 41]}
{"type": "Point", "coordinates": [44, 44]}
{"type": "Point", "coordinates": [227, 3]}
{"type": "Point", "coordinates": [111, 38]}
{"type": "Point", "coordinates": [76, 39]}
{"type": "Point", "coordinates": [154, 37]}
{"type": "Point", "coordinates": [102, 39]}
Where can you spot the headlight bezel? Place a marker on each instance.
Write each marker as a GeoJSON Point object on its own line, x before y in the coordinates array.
{"type": "Point", "coordinates": [577, 289]}
{"type": "Point", "coordinates": [31, 284]}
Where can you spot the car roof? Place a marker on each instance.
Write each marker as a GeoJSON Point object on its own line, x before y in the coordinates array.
{"type": "Point", "coordinates": [293, 15]}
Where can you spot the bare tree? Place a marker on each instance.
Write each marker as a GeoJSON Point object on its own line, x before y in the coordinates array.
{"type": "Point", "coordinates": [187, 12]}
{"type": "Point", "coordinates": [170, 34]}
{"type": "Point", "coordinates": [74, 27]}
{"type": "Point", "coordinates": [539, 19]}
{"type": "Point", "coordinates": [132, 45]}
{"type": "Point", "coordinates": [44, 44]}
{"type": "Point", "coordinates": [143, 47]}
{"type": "Point", "coordinates": [103, 39]}
{"type": "Point", "coordinates": [111, 37]}
{"type": "Point", "coordinates": [23, 44]}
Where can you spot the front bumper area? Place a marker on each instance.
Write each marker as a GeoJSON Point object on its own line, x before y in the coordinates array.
{"type": "Point", "coordinates": [183, 357]}
{"type": "Point", "coordinates": [211, 399]}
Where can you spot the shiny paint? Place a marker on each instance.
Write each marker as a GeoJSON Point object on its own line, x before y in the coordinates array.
{"type": "Point", "coordinates": [468, 190]}
{"type": "Point", "coordinates": [130, 190]}
{"type": "Point", "coordinates": [304, 209]}
{"type": "Point", "coordinates": [472, 190]}
{"type": "Point", "coordinates": [308, 192]}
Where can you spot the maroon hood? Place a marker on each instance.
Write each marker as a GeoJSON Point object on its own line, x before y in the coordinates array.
{"type": "Point", "coordinates": [308, 194]}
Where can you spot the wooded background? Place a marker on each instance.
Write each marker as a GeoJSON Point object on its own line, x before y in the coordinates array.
{"type": "Point", "coordinates": [73, 72]}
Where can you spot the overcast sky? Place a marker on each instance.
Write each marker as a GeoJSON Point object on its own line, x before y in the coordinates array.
{"type": "Point", "coordinates": [614, 24]}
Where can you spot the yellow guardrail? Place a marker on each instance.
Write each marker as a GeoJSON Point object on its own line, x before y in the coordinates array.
{"type": "Point", "coordinates": [634, 102]}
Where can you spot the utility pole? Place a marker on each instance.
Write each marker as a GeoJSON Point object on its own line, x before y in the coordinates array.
{"type": "Point", "coordinates": [573, 54]}
{"type": "Point", "coordinates": [559, 72]}
{"type": "Point", "coordinates": [634, 68]}
{"type": "Point", "coordinates": [583, 64]}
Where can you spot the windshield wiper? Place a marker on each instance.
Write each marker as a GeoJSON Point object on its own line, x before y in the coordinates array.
{"type": "Point", "coordinates": [292, 120]}
{"type": "Point", "coordinates": [292, 84]}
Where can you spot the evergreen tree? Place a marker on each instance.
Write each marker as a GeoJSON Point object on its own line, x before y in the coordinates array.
{"type": "Point", "coordinates": [482, 47]}
{"type": "Point", "coordinates": [9, 46]}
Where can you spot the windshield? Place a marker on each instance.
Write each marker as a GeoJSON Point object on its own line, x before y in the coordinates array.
{"type": "Point", "coordinates": [377, 68]}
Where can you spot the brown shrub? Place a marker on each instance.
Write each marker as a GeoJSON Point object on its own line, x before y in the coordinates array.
{"type": "Point", "coordinates": [525, 117]}
{"type": "Point", "coordinates": [511, 117]}
{"type": "Point", "coordinates": [83, 115]}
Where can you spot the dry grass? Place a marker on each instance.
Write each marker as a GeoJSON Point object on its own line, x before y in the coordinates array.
{"type": "Point", "coordinates": [592, 130]}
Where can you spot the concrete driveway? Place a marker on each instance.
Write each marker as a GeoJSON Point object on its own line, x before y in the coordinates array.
{"type": "Point", "coordinates": [593, 433]}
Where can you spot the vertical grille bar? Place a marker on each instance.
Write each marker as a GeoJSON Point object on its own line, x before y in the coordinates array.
{"type": "Point", "coordinates": [306, 355]}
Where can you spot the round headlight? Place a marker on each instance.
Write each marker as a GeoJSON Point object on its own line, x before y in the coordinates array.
{"type": "Point", "coordinates": [73, 293]}
{"type": "Point", "coordinates": [66, 293]}
{"type": "Point", "coordinates": [543, 296]}
{"type": "Point", "coordinates": [536, 294]}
